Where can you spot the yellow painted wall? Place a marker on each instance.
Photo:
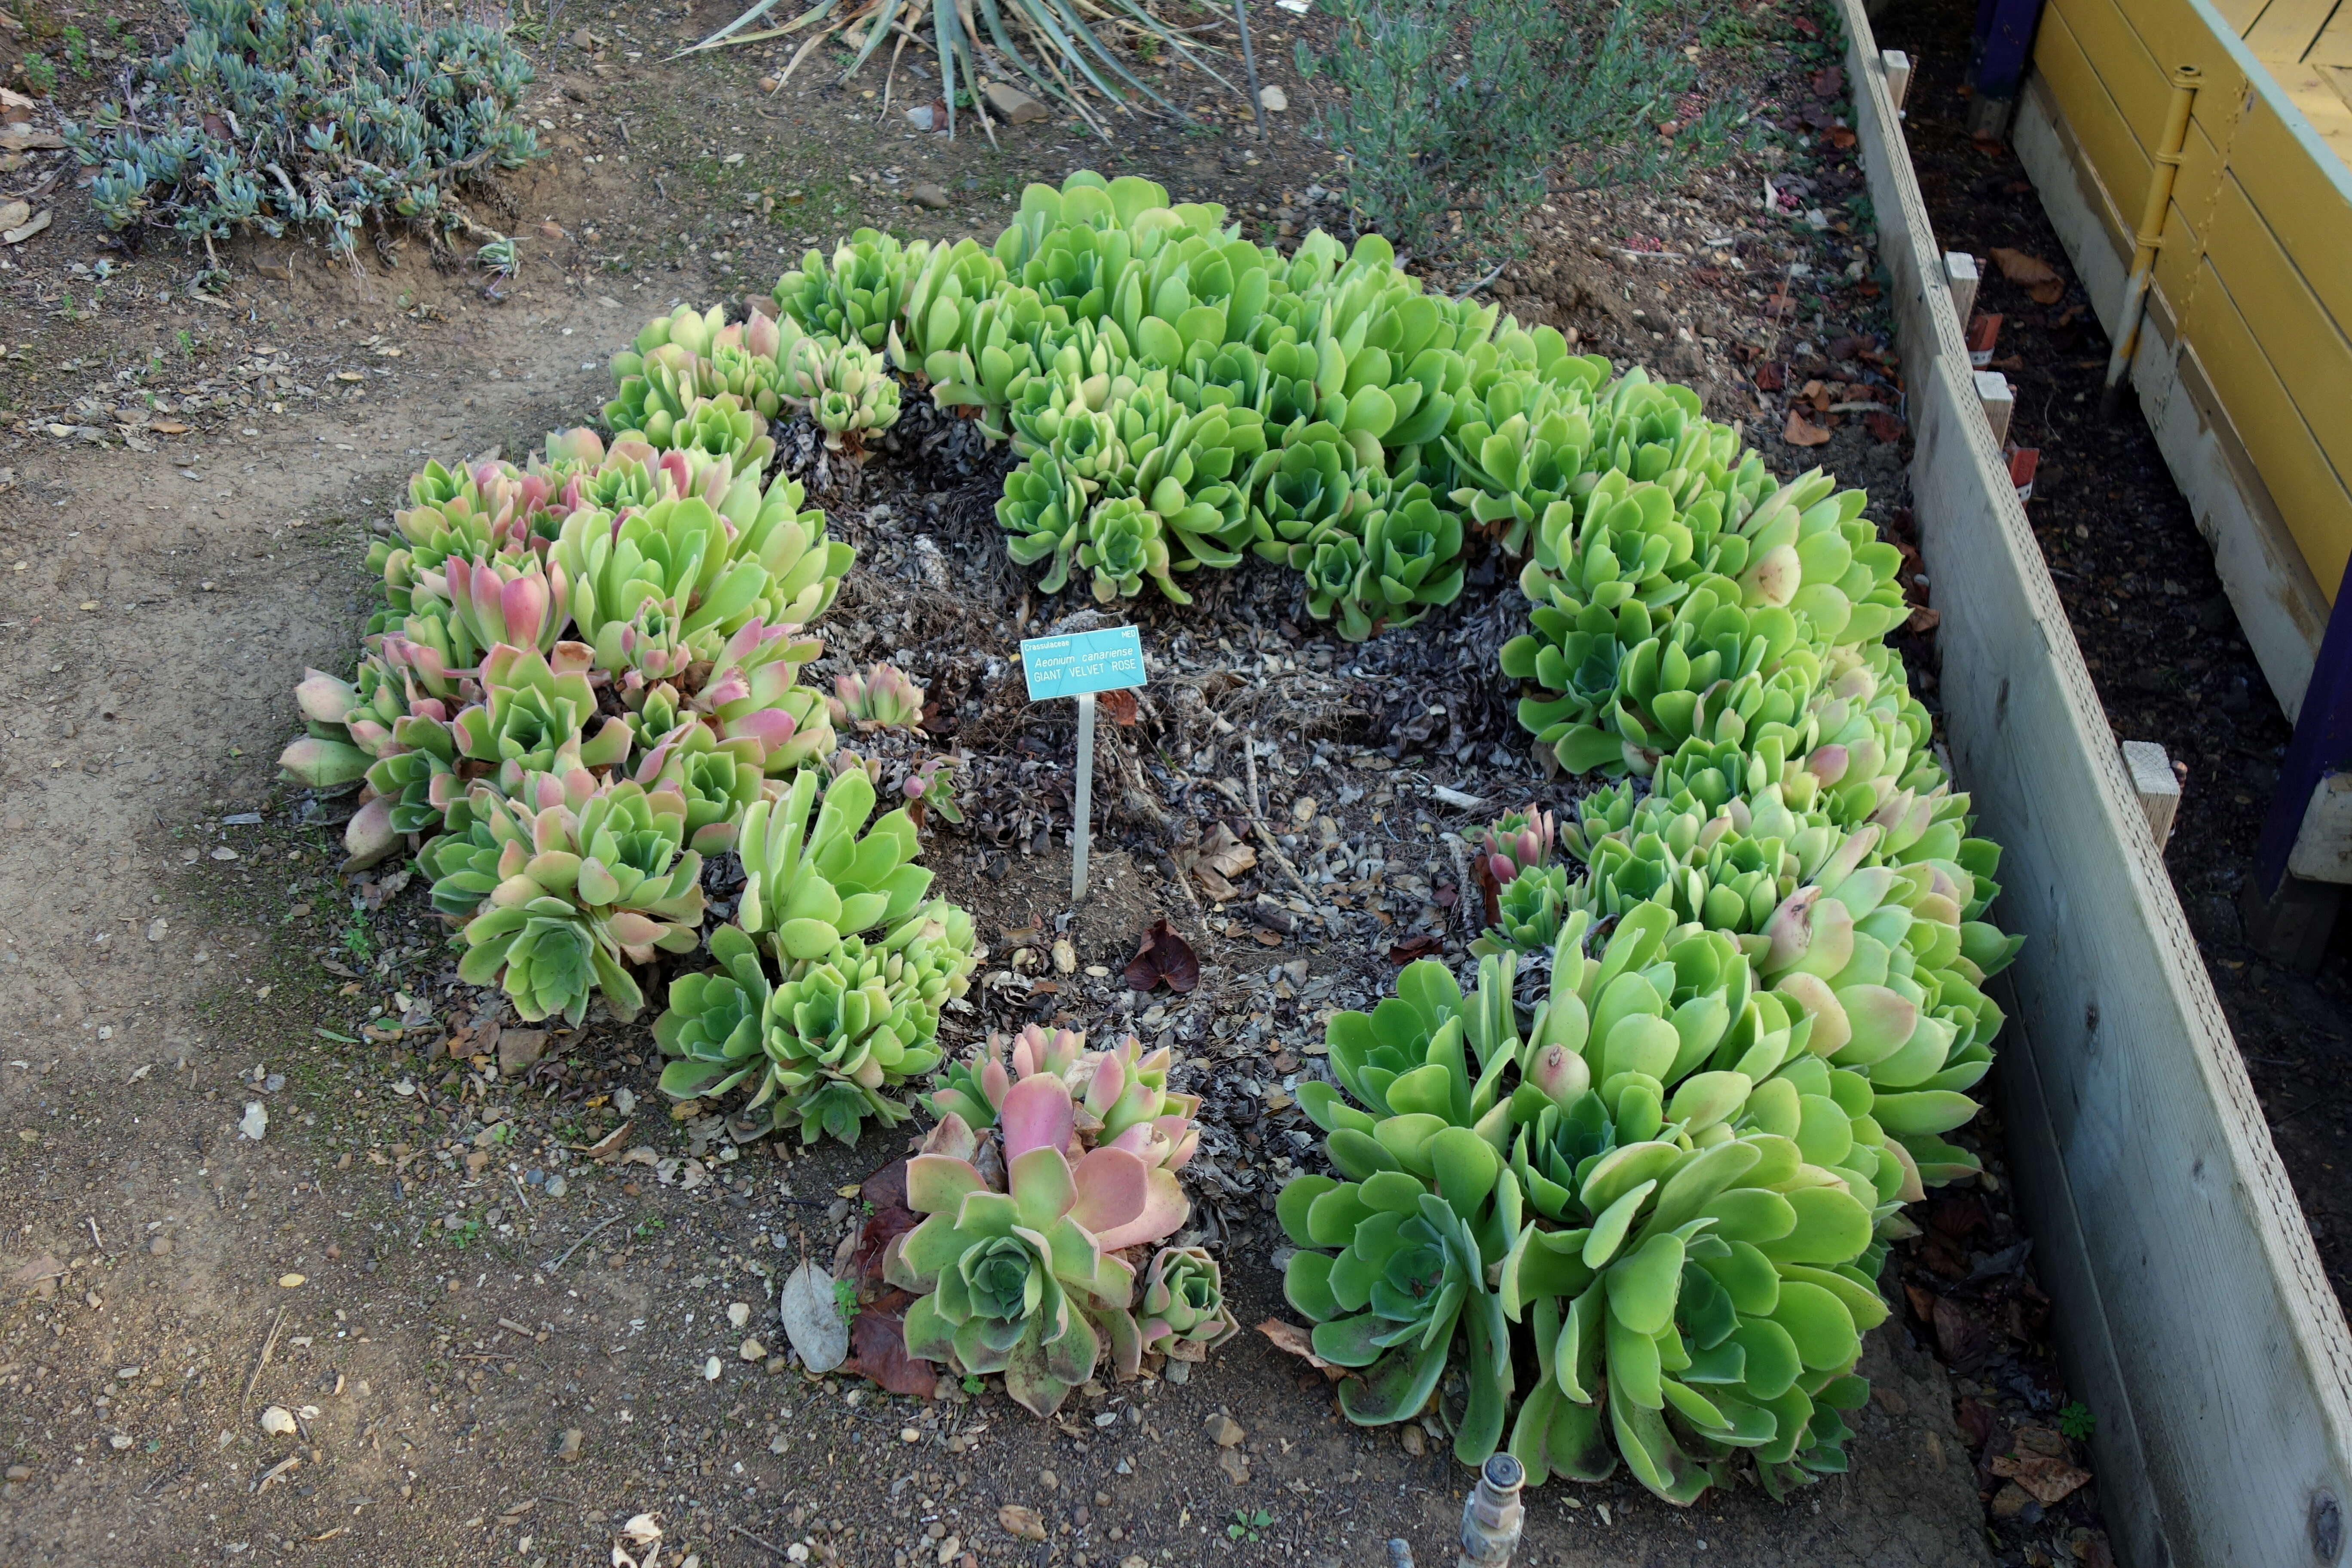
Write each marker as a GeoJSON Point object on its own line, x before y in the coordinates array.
{"type": "Point", "coordinates": [2255, 272]}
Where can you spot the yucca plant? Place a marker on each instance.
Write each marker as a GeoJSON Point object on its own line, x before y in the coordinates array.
{"type": "Point", "coordinates": [1066, 49]}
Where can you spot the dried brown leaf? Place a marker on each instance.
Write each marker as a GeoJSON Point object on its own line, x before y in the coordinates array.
{"type": "Point", "coordinates": [2048, 1479]}
{"type": "Point", "coordinates": [1800, 433]}
{"type": "Point", "coordinates": [2036, 277]}
{"type": "Point", "coordinates": [1164, 955]}
{"type": "Point", "coordinates": [608, 1146]}
{"type": "Point", "coordinates": [1292, 1340]}
{"type": "Point", "coordinates": [1224, 853]}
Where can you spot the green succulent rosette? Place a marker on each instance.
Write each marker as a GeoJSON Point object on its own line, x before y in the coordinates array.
{"type": "Point", "coordinates": [1676, 1177]}
{"type": "Point", "coordinates": [1183, 1313]}
{"type": "Point", "coordinates": [1123, 546]}
{"type": "Point", "coordinates": [563, 886]}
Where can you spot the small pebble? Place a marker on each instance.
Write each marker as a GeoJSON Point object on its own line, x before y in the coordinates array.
{"type": "Point", "coordinates": [710, 1370]}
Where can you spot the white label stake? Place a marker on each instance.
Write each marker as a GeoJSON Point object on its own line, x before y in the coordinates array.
{"type": "Point", "coordinates": [1079, 665]}
{"type": "Point", "coordinates": [1081, 809]}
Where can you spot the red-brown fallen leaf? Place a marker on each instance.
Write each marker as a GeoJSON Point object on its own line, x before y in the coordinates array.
{"type": "Point", "coordinates": [1412, 945]}
{"type": "Point", "coordinates": [1829, 82]}
{"type": "Point", "coordinates": [2036, 277]}
{"type": "Point", "coordinates": [1962, 1335]}
{"type": "Point", "coordinates": [1164, 955]}
{"type": "Point", "coordinates": [1771, 376]}
{"type": "Point", "coordinates": [878, 1350]}
{"type": "Point", "coordinates": [1923, 620]}
{"type": "Point", "coordinates": [1838, 136]}
{"type": "Point", "coordinates": [1800, 434]}
{"type": "Point", "coordinates": [1119, 706]}
{"type": "Point", "coordinates": [1976, 1423]}
{"type": "Point", "coordinates": [885, 1188]}
{"type": "Point", "coordinates": [1292, 1340]}
{"type": "Point", "coordinates": [1883, 427]}
{"type": "Point", "coordinates": [1923, 1302]}
{"type": "Point", "coordinates": [2048, 1479]}
{"type": "Point", "coordinates": [1806, 26]}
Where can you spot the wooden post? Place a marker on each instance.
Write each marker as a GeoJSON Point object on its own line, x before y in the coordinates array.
{"type": "Point", "coordinates": [2158, 787]}
{"type": "Point", "coordinates": [2321, 745]}
{"type": "Point", "coordinates": [2002, 46]}
{"type": "Point", "coordinates": [1993, 394]}
{"type": "Point", "coordinates": [1897, 66]}
{"type": "Point", "coordinates": [1961, 277]}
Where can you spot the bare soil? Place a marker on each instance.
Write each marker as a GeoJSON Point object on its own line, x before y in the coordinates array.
{"type": "Point", "coordinates": [416, 1259]}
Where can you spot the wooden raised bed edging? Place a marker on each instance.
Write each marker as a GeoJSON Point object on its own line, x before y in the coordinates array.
{"type": "Point", "coordinates": [2191, 1311]}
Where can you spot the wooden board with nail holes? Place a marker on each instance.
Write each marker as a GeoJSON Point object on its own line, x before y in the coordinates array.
{"type": "Point", "coordinates": [2191, 1312]}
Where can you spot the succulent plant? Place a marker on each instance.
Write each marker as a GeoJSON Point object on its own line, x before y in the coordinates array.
{"type": "Point", "coordinates": [1044, 509]}
{"type": "Point", "coordinates": [843, 1031]}
{"type": "Point", "coordinates": [1027, 1281]}
{"type": "Point", "coordinates": [882, 697]}
{"type": "Point", "coordinates": [716, 1021]}
{"type": "Point", "coordinates": [931, 785]}
{"type": "Point", "coordinates": [1333, 561]}
{"type": "Point", "coordinates": [1183, 1313]}
{"type": "Point", "coordinates": [1122, 546]}
{"type": "Point", "coordinates": [716, 782]}
{"type": "Point", "coordinates": [535, 714]}
{"type": "Point", "coordinates": [1411, 551]}
{"type": "Point", "coordinates": [843, 387]}
{"type": "Point", "coordinates": [1120, 1095]}
{"type": "Point", "coordinates": [855, 298]}
{"type": "Point", "coordinates": [1516, 841]}
{"type": "Point", "coordinates": [1529, 911]}
{"type": "Point", "coordinates": [810, 883]}
{"type": "Point", "coordinates": [752, 692]}
{"type": "Point", "coordinates": [1311, 486]}
{"type": "Point", "coordinates": [560, 883]}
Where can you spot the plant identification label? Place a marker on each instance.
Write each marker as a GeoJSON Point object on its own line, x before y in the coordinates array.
{"type": "Point", "coordinates": [1083, 663]}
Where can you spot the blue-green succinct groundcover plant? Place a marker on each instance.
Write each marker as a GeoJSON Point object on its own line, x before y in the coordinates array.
{"type": "Point", "coordinates": [273, 116]}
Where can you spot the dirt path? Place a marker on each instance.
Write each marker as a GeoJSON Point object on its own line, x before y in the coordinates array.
{"type": "Point", "coordinates": [381, 1263]}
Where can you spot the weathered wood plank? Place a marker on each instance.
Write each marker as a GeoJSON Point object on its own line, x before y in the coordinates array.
{"type": "Point", "coordinates": [2233, 1365]}
{"type": "Point", "coordinates": [2192, 1313]}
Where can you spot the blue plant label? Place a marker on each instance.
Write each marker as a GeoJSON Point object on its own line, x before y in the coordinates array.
{"type": "Point", "coordinates": [1109, 660]}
